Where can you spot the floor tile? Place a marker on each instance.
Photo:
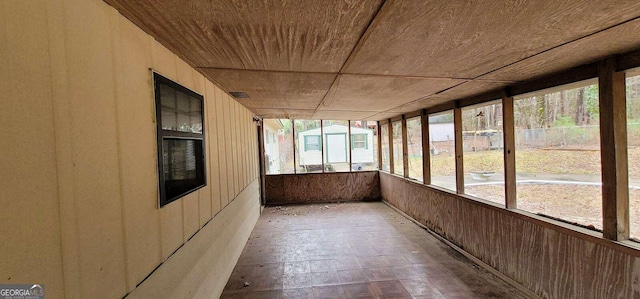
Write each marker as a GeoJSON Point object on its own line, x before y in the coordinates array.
{"type": "Point", "coordinates": [353, 250]}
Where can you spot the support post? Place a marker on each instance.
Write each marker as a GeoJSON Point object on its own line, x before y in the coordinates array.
{"type": "Point", "coordinates": [322, 141]}
{"type": "Point", "coordinates": [379, 129]}
{"type": "Point", "coordinates": [405, 148]}
{"type": "Point", "coordinates": [349, 144]}
{"type": "Point", "coordinates": [457, 123]}
{"type": "Point", "coordinates": [295, 145]}
{"type": "Point", "coordinates": [390, 133]}
{"type": "Point", "coordinates": [613, 151]}
{"type": "Point", "coordinates": [509, 148]}
{"type": "Point", "coordinates": [426, 148]}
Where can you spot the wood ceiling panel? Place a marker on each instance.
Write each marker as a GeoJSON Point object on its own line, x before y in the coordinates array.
{"type": "Point", "coordinates": [274, 89]}
{"type": "Point", "coordinates": [382, 115]}
{"type": "Point", "coordinates": [620, 39]}
{"type": "Point", "coordinates": [313, 35]}
{"type": "Point", "coordinates": [282, 113]}
{"type": "Point", "coordinates": [379, 93]}
{"type": "Point", "coordinates": [465, 39]}
{"type": "Point", "coordinates": [342, 115]}
{"type": "Point", "coordinates": [464, 90]}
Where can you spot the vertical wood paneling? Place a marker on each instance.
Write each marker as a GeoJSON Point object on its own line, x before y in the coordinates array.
{"type": "Point", "coordinates": [228, 120]}
{"type": "Point", "coordinates": [222, 149]}
{"type": "Point", "coordinates": [92, 109]}
{"type": "Point", "coordinates": [204, 205]}
{"type": "Point", "coordinates": [171, 225]}
{"type": "Point", "coordinates": [241, 149]}
{"type": "Point", "coordinates": [164, 61]}
{"type": "Point", "coordinates": [237, 154]}
{"type": "Point", "coordinates": [30, 222]}
{"type": "Point", "coordinates": [214, 166]}
{"type": "Point", "coordinates": [138, 169]}
{"type": "Point", "coordinates": [247, 145]}
{"type": "Point", "coordinates": [64, 148]}
{"type": "Point", "coordinates": [251, 145]}
{"type": "Point", "coordinates": [233, 154]}
{"type": "Point", "coordinates": [190, 202]}
{"type": "Point", "coordinates": [81, 90]}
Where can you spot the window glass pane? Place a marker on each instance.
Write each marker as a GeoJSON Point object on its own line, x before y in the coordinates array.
{"type": "Point", "coordinates": [633, 151]}
{"type": "Point", "coordinates": [558, 154]}
{"type": "Point", "coordinates": [183, 167]}
{"type": "Point", "coordinates": [363, 145]}
{"type": "Point", "coordinates": [168, 108]}
{"type": "Point", "coordinates": [336, 145]}
{"type": "Point", "coordinates": [195, 113]}
{"type": "Point", "coordinates": [180, 112]}
{"type": "Point", "coordinates": [278, 146]}
{"type": "Point", "coordinates": [483, 157]}
{"type": "Point", "coordinates": [414, 136]}
{"type": "Point", "coordinates": [384, 136]}
{"type": "Point", "coordinates": [398, 164]}
{"type": "Point", "coordinates": [308, 146]}
{"type": "Point", "coordinates": [188, 120]}
{"type": "Point", "coordinates": [442, 150]}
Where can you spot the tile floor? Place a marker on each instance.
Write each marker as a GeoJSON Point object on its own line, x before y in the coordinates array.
{"type": "Point", "coordinates": [353, 250]}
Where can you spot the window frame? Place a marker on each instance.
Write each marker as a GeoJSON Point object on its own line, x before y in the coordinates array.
{"type": "Point", "coordinates": [164, 134]}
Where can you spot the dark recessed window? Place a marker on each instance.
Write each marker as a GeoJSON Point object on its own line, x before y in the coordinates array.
{"type": "Point", "coordinates": [180, 121]}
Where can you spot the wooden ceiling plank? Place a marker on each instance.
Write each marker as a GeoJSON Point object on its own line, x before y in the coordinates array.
{"type": "Point", "coordinates": [268, 35]}
{"type": "Point", "coordinates": [619, 39]}
{"type": "Point", "coordinates": [470, 38]}
{"type": "Point", "coordinates": [356, 92]}
{"type": "Point", "coordinates": [285, 90]}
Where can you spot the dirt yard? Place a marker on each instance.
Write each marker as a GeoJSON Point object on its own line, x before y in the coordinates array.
{"type": "Point", "coordinates": [581, 204]}
{"type": "Point", "coordinates": [574, 203]}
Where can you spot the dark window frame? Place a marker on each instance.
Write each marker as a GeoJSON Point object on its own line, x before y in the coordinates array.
{"type": "Point", "coordinates": [163, 135]}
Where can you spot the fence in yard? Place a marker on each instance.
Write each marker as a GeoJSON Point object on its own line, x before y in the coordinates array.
{"type": "Point", "coordinates": [576, 136]}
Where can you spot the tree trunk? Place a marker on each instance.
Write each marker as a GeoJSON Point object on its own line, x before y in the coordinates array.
{"type": "Point", "coordinates": [580, 107]}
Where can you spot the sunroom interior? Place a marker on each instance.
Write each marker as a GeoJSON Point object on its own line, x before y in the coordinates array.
{"type": "Point", "coordinates": [148, 145]}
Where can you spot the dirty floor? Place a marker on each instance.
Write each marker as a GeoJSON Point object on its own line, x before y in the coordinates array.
{"type": "Point", "coordinates": [353, 250]}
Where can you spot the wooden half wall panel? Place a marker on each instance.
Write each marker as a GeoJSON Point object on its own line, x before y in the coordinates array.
{"type": "Point", "coordinates": [550, 261]}
{"type": "Point", "coordinates": [322, 187]}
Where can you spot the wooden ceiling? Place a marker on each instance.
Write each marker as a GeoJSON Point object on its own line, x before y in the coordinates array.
{"type": "Point", "coordinates": [372, 59]}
